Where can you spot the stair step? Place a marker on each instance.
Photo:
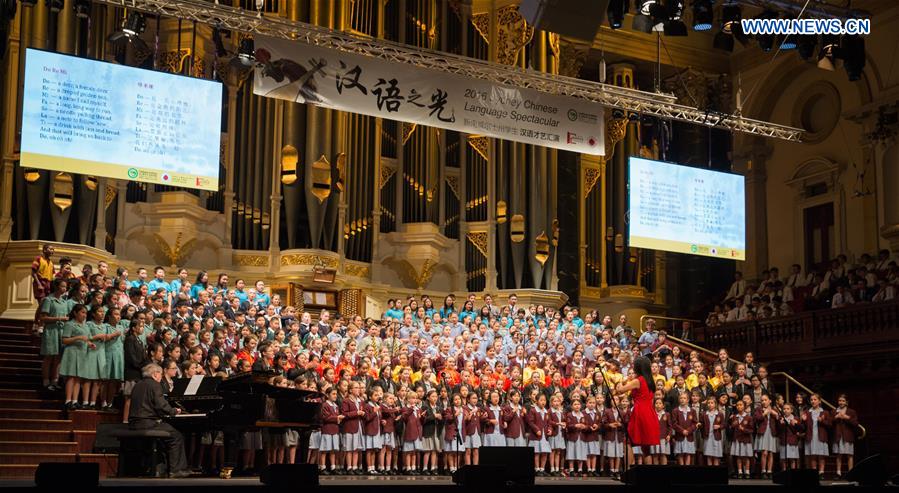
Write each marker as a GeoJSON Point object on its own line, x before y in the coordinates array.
{"type": "Point", "coordinates": [20, 383]}
{"type": "Point", "coordinates": [19, 348]}
{"type": "Point", "coordinates": [31, 403]}
{"type": "Point", "coordinates": [37, 414]}
{"type": "Point", "coordinates": [19, 355]}
{"type": "Point", "coordinates": [39, 447]}
{"type": "Point", "coordinates": [18, 471]}
{"type": "Point", "coordinates": [11, 435]}
{"type": "Point", "coordinates": [35, 424]}
{"type": "Point", "coordinates": [21, 393]}
{"type": "Point", "coordinates": [28, 365]}
{"type": "Point", "coordinates": [35, 458]}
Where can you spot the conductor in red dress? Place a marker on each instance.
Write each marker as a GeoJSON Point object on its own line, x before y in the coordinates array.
{"type": "Point", "coordinates": [643, 428]}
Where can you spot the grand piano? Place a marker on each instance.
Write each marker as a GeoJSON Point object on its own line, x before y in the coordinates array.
{"type": "Point", "coordinates": [243, 402]}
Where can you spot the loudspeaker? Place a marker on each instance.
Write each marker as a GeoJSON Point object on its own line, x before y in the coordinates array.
{"type": "Point", "coordinates": [870, 472]}
{"type": "Point", "coordinates": [577, 19]}
{"type": "Point", "coordinates": [673, 475]}
{"type": "Point", "coordinates": [480, 477]}
{"type": "Point", "coordinates": [282, 475]}
{"type": "Point", "coordinates": [69, 475]}
{"type": "Point", "coordinates": [105, 442]}
{"type": "Point", "coordinates": [797, 478]}
{"type": "Point", "coordinates": [517, 463]}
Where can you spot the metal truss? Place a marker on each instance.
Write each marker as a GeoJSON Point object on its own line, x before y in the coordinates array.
{"type": "Point", "coordinates": [631, 100]}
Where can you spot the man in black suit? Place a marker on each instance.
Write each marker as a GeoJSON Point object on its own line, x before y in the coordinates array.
{"type": "Point", "coordinates": [148, 408]}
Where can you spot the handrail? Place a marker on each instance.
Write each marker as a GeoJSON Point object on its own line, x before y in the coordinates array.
{"type": "Point", "coordinates": [661, 317]}
{"type": "Point", "coordinates": [702, 349]}
{"type": "Point", "coordinates": [789, 378]}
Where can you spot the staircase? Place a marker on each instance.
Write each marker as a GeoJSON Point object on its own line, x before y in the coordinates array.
{"type": "Point", "coordinates": [33, 426]}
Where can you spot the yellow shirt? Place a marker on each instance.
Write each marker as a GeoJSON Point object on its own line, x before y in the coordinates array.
{"type": "Point", "coordinates": [537, 373]}
{"type": "Point", "coordinates": [692, 381]}
{"type": "Point", "coordinates": [44, 268]}
{"type": "Point", "coordinates": [716, 382]}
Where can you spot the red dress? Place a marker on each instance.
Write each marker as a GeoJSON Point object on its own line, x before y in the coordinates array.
{"type": "Point", "coordinates": [644, 423]}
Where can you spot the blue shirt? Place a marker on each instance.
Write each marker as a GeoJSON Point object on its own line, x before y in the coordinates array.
{"type": "Point", "coordinates": [137, 283]}
{"type": "Point", "coordinates": [241, 295]}
{"type": "Point", "coordinates": [394, 313]}
{"type": "Point", "coordinates": [175, 285]}
{"type": "Point", "coordinates": [156, 285]}
{"type": "Point", "coordinates": [263, 299]}
{"type": "Point", "coordinates": [649, 338]}
{"type": "Point", "coordinates": [195, 290]}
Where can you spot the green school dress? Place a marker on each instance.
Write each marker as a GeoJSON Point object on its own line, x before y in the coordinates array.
{"type": "Point", "coordinates": [50, 338]}
{"type": "Point", "coordinates": [74, 357]}
{"type": "Point", "coordinates": [96, 358]}
{"type": "Point", "coordinates": [115, 352]}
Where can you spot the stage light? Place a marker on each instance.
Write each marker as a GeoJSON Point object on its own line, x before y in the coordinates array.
{"type": "Point", "coordinates": [649, 15]}
{"type": "Point", "coordinates": [616, 11]}
{"type": "Point", "coordinates": [787, 42]}
{"type": "Point", "coordinates": [830, 45]}
{"type": "Point", "coordinates": [703, 15]}
{"type": "Point", "coordinates": [675, 26]}
{"type": "Point", "coordinates": [132, 27]}
{"type": "Point", "coordinates": [82, 9]}
{"type": "Point", "coordinates": [806, 45]}
{"type": "Point", "coordinates": [246, 54]}
{"type": "Point", "coordinates": [852, 51]}
{"type": "Point", "coordinates": [730, 28]}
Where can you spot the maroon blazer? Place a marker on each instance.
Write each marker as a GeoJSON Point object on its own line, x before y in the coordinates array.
{"type": "Point", "coordinates": [351, 418]}
{"type": "Point", "coordinates": [823, 425]}
{"type": "Point", "coordinates": [412, 418]}
{"type": "Point", "coordinates": [590, 435]}
{"type": "Point", "coordinates": [608, 418]}
{"type": "Point", "coordinates": [679, 424]}
{"type": "Point", "coordinates": [707, 430]}
{"type": "Point", "coordinates": [536, 424]}
{"type": "Point", "coordinates": [555, 424]}
{"type": "Point", "coordinates": [372, 423]}
{"type": "Point", "coordinates": [473, 423]}
{"type": "Point", "coordinates": [450, 428]}
{"type": "Point", "coordinates": [664, 431]}
{"type": "Point", "coordinates": [389, 414]}
{"type": "Point", "coordinates": [329, 418]}
{"type": "Point", "coordinates": [513, 422]}
{"type": "Point", "coordinates": [742, 428]}
{"type": "Point", "coordinates": [761, 424]}
{"type": "Point", "coordinates": [489, 414]}
{"type": "Point", "coordinates": [845, 429]}
{"type": "Point", "coordinates": [790, 434]}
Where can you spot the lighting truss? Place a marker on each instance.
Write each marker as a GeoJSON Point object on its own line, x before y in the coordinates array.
{"type": "Point", "coordinates": [631, 100]}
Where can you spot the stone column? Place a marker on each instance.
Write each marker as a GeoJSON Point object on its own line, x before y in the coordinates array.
{"type": "Point", "coordinates": [751, 160]}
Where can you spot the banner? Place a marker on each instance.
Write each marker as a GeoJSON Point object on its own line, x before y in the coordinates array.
{"type": "Point", "coordinates": [296, 71]}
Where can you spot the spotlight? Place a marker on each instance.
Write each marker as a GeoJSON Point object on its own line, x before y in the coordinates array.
{"type": "Point", "coordinates": [132, 27]}
{"type": "Point", "coordinates": [852, 51]}
{"type": "Point", "coordinates": [649, 14]}
{"type": "Point", "coordinates": [806, 44]}
{"type": "Point", "coordinates": [245, 55]}
{"type": "Point", "coordinates": [674, 26]}
{"type": "Point", "coordinates": [703, 16]}
{"type": "Point", "coordinates": [82, 9]}
{"type": "Point", "coordinates": [54, 5]}
{"type": "Point", "coordinates": [787, 42]}
{"type": "Point", "coordinates": [730, 28]}
{"type": "Point", "coordinates": [616, 11]}
{"type": "Point", "coordinates": [766, 41]}
{"type": "Point", "coordinates": [830, 45]}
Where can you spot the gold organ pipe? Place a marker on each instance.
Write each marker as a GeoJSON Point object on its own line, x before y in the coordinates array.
{"type": "Point", "coordinates": [267, 169]}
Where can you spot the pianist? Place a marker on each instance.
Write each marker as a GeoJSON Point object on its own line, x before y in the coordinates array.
{"type": "Point", "coordinates": [148, 408]}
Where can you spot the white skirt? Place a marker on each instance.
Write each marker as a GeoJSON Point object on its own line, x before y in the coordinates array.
{"type": "Point", "coordinates": [388, 440]}
{"type": "Point", "coordinates": [329, 443]}
{"type": "Point", "coordinates": [557, 442]}
{"type": "Point", "coordinates": [412, 446]}
{"type": "Point", "coordinates": [540, 446]}
{"type": "Point", "coordinates": [521, 441]}
{"type": "Point", "coordinates": [844, 448]}
{"type": "Point", "coordinates": [613, 449]}
{"type": "Point", "coordinates": [712, 448]}
{"type": "Point", "coordinates": [431, 444]}
{"type": "Point", "coordinates": [789, 452]}
{"type": "Point", "coordinates": [684, 447]}
{"type": "Point", "coordinates": [593, 448]}
{"type": "Point", "coordinates": [816, 448]}
{"type": "Point", "coordinates": [740, 449]}
{"type": "Point", "coordinates": [375, 442]}
{"type": "Point", "coordinates": [576, 450]}
{"type": "Point", "coordinates": [453, 446]}
{"type": "Point", "coordinates": [766, 442]}
{"type": "Point", "coordinates": [473, 441]}
{"type": "Point", "coordinates": [495, 439]}
{"type": "Point", "coordinates": [315, 440]}
{"type": "Point", "coordinates": [351, 442]}
{"type": "Point", "coordinates": [291, 438]}
{"type": "Point", "coordinates": [663, 448]}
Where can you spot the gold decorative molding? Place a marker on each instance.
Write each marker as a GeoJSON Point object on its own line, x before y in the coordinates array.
{"type": "Point", "coordinates": [251, 260]}
{"type": "Point", "coordinates": [408, 130]}
{"type": "Point", "coordinates": [475, 202]}
{"type": "Point", "coordinates": [554, 44]}
{"type": "Point", "coordinates": [481, 145]}
{"type": "Point", "coordinates": [199, 68]}
{"type": "Point", "coordinates": [572, 56]}
{"type": "Point", "coordinates": [386, 173]}
{"type": "Point", "coordinates": [624, 291]}
{"type": "Point", "coordinates": [173, 61]}
{"type": "Point", "coordinates": [308, 259]}
{"type": "Point", "coordinates": [356, 270]}
{"type": "Point", "coordinates": [423, 277]}
{"type": "Point", "coordinates": [177, 253]}
{"type": "Point", "coordinates": [110, 195]}
{"type": "Point", "coordinates": [479, 240]}
{"type": "Point", "coordinates": [453, 182]}
{"type": "Point", "coordinates": [512, 33]}
{"type": "Point", "coordinates": [63, 190]}
{"type": "Point", "coordinates": [591, 176]}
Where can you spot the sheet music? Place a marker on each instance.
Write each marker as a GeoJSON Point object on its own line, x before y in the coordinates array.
{"type": "Point", "coordinates": [193, 385]}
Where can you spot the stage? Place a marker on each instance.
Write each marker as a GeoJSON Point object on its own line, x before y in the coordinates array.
{"type": "Point", "coordinates": [394, 483]}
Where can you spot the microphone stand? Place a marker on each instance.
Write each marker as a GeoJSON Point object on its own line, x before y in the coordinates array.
{"type": "Point", "coordinates": [616, 403]}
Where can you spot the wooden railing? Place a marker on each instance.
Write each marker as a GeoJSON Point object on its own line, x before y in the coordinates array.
{"type": "Point", "coordinates": [807, 333]}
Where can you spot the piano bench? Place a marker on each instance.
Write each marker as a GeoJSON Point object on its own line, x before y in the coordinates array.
{"type": "Point", "coordinates": [140, 454]}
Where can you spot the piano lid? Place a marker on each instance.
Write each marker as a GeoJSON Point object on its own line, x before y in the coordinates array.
{"type": "Point", "coordinates": [256, 382]}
